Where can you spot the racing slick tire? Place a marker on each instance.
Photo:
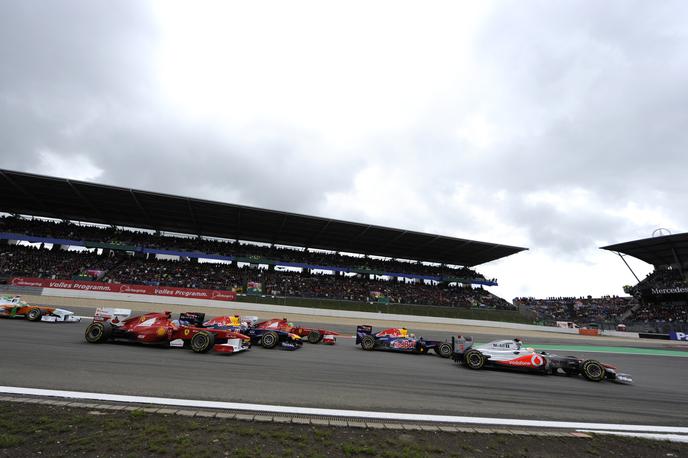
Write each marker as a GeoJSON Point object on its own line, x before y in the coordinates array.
{"type": "Point", "coordinates": [444, 350]}
{"type": "Point", "coordinates": [98, 332]}
{"type": "Point", "coordinates": [202, 342]}
{"type": "Point", "coordinates": [34, 314]}
{"type": "Point", "coordinates": [314, 337]}
{"type": "Point", "coordinates": [270, 339]}
{"type": "Point", "coordinates": [473, 359]}
{"type": "Point", "coordinates": [368, 343]}
{"type": "Point", "coordinates": [593, 370]}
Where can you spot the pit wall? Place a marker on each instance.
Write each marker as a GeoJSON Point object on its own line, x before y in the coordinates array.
{"type": "Point", "coordinates": [280, 309]}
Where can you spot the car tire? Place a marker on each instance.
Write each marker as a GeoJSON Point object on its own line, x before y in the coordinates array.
{"type": "Point", "coordinates": [593, 370]}
{"type": "Point", "coordinates": [314, 337]}
{"type": "Point", "coordinates": [270, 339]}
{"type": "Point", "coordinates": [368, 343]}
{"type": "Point", "coordinates": [34, 314]}
{"type": "Point", "coordinates": [473, 359]}
{"type": "Point", "coordinates": [444, 350]}
{"type": "Point", "coordinates": [202, 342]}
{"type": "Point", "coordinates": [98, 332]}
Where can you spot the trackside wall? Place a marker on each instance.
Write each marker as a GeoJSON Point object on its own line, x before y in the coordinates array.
{"type": "Point", "coordinates": [280, 309]}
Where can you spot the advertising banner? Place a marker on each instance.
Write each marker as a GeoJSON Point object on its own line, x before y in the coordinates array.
{"type": "Point", "coordinates": [187, 293]}
{"type": "Point", "coordinates": [678, 336]}
{"type": "Point", "coordinates": [254, 288]}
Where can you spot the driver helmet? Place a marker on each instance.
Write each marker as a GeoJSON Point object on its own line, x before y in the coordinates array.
{"type": "Point", "coordinates": [403, 332]}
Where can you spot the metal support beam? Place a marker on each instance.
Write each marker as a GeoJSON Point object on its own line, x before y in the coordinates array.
{"type": "Point", "coordinates": [678, 261]}
{"type": "Point", "coordinates": [629, 267]}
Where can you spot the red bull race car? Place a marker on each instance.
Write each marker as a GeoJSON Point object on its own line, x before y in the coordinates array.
{"type": "Point", "coordinates": [160, 329]}
{"type": "Point", "coordinates": [399, 340]}
{"type": "Point", "coordinates": [512, 354]}
{"type": "Point", "coordinates": [15, 307]}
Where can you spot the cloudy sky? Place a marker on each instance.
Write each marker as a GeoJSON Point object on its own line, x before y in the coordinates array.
{"type": "Point", "coordinates": [560, 126]}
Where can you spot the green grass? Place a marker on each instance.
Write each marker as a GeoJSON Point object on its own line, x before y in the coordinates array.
{"type": "Point", "coordinates": [10, 440]}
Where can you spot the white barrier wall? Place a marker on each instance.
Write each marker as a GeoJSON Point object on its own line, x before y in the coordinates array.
{"type": "Point", "coordinates": [281, 309]}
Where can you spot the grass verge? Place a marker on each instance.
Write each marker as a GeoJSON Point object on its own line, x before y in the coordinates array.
{"type": "Point", "coordinates": [43, 430]}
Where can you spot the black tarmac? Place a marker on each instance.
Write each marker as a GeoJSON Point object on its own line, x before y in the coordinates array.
{"type": "Point", "coordinates": [56, 356]}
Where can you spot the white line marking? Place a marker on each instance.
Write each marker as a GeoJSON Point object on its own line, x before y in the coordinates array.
{"type": "Point", "coordinates": [662, 437]}
{"type": "Point", "coordinates": [340, 413]}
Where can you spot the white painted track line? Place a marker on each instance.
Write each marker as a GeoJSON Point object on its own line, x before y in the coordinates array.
{"type": "Point", "coordinates": [663, 437]}
{"type": "Point", "coordinates": [390, 416]}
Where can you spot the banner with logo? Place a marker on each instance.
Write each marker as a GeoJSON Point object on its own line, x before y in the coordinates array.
{"type": "Point", "coordinates": [188, 293]}
{"type": "Point", "coordinates": [678, 336]}
{"type": "Point", "coordinates": [254, 288]}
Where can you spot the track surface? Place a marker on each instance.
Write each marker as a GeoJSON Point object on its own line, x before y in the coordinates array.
{"type": "Point", "coordinates": [55, 356]}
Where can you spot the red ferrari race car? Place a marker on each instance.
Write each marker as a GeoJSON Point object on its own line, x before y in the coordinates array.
{"type": "Point", "coordinates": [312, 335]}
{"type": "Point", "coordinates": [160, 329]}
{"type": "Point", "coordinates": [15, 307]}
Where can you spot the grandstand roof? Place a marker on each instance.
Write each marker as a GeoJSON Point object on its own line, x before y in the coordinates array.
{"type": "Point", "coordinates": [658, 251]}
{"type": "Point", "coordinates": [61, 198]}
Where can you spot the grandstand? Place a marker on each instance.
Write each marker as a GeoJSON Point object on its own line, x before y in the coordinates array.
{"type": "Point", "coordinates": [140, 237]}
{"type": "Point", "coordinates": [663, 295]}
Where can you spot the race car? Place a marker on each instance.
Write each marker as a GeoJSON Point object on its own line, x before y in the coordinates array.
{"type": "Point", "coordinates": [160, 329]}
{"type": "Point", "coordinates": [265, 337]}
{"type": "Point", "coordinates": [312, 335]}
{"type": "Point", "coordinates": [399, 339]}
{"type": "Point", "coordinates": [15, 307]}
{"type": "Point", "coordinates": [512, 354]}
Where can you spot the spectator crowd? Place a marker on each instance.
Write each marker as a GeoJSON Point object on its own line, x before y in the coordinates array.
{"type": "Point", "coordinates": [121, 267]}
{"type": "Point", "coordinates": [211, 246]}
{"type": "Point", "coordinates": [580, 310]}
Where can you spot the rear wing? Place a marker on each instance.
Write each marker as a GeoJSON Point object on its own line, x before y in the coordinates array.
{"type": "Point", "coordinates": [111, 315]}
{"type": "Point", "coordinates": [461, 344]}
{"type": "Point", "coordinates": [362, 330]}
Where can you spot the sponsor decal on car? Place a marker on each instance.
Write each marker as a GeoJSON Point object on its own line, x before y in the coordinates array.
{"type": "Point", "coordinates": [403, 344]}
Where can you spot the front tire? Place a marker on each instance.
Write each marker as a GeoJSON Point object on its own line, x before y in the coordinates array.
{"type": "Point", "coordinates": [473, 359]}
{"type": "Point", "coordinates": [270, 339]}
{"type": "Point", "coordinates": [314, 337]}
{"type": "Point", "coordinates": [444, 350]}
{"type": "Point", "coordinates": [593, 370]}
{"type": "Point", "coordinates": [368, 343]}
{"type": "Point", "coordinates": [34, 314]}
{"type": "Point", "coordinates": [202, 342]}
{"type": "Point", "coordinates": [98, 332]}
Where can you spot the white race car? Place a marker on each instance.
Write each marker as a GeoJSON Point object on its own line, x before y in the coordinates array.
{"type": "Point", "coordinates": [512, 354]}
{"type": "Point", "coordinates": [15, 307]}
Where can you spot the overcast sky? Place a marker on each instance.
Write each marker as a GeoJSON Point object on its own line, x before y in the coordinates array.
{"type": "Point", "coordinates": [560, 126]}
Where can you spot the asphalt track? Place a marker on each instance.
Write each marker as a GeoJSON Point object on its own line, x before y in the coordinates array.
{"type": "Point", "coordinates": [56, 356]}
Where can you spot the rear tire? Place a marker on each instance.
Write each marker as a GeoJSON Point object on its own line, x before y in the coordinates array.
{"type": "Point", "coordinates": [98, 332]}
{"type": "Point", "coordinates": [314, 337]}
{"type": "Point", "coordinates": [34, 314]}
{"type": "Point", "coordinates": [444, 350]}
{"type": "Point", "coordinates": [593, 370]}
{"type": "Point", "coordinates": [368, 343]}
{"type": "Point", "coordinates": [270, 339]}
{"type": "Point", "coordinates": [202, 342]}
